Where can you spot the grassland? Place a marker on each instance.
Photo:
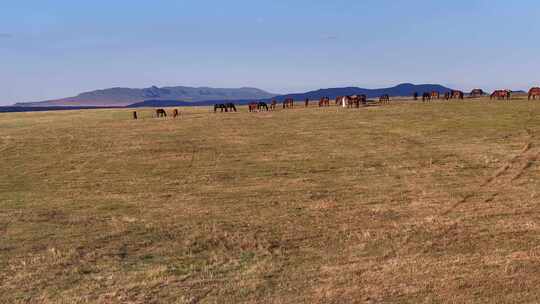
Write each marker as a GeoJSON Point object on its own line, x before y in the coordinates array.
{"type": "Point", "coordinates": [404, 203]}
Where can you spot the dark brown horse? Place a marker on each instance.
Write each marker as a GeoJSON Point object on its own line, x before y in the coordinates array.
{"type": "Point", "coordinates": [161, 113]}
{"type": "Point", "coordinates": [273, 105]}
{"type": "Point", "coordinates": [362, 98]}
{"type": "Point", "coordinates": [353, 101]}
{"type": "Point", "coordinates": [175, 113]}
{"type": "Point", "coordinates": [477, 93]}
{"type": "Point", "coordinates": [533, 93]}
{"type": "Point", "coordinates": [384, 98]}
{"type": "Point", "coordinates": [288, 103]}
{"type": "Point", "coordinates": [306, 102]}
{"type": "Point", "coordinates": [135, 115]}
{"type": "Point", "coordinates": [324, 102]}
{"type": "Point", "coordinates": [426, 97]}
{"type": "Point", "coordinates": [415, 96]}
{"type": "Point", "coordinates": [456, 94]}
{"type": "Point", "coordinates": [501, 94]}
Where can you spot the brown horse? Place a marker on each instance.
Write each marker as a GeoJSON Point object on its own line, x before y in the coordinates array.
{"type": "Point", "coordinates": [288, 103]}
{"type": "Point", "coordinates": [501, 94]}
{"type": "Point", "coordinates": [533, 93]}
{"type": "Point", "coordinates": [384, 98]}
{"type": "Point", "coordinates": [273, 105]}
{"type": "Point", "coordinates": [253, 106]}
{"type": "Point", "coordinates": [135, 115]}
{"type": "Point", "coordinates": [435, 95]}
{"type": "Point", "coordinates": [175, 113]}
{"type": "Point", "coordinates": [306, 102]}
{"type": "Point", "coordinates": [456, 94]}
{"type": "Point", "coordinates": [353, 101]}
{"type": "Point", "coordinates": [415, 96]}
{"type": "Point", "coordinates": [324, 102]}
{"type": "Point", "coordinates": [477, 93]}
{"type": "Point", "coordinates": [161, 113]}
{"type": "Point", "coordinates": [426, 97]}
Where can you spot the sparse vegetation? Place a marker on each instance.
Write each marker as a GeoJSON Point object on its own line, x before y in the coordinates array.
{"type": "Point", "coordinates": [406, 203]}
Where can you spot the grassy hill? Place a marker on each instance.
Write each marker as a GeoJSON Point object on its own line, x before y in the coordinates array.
{"type": "Point", "coordinates": [407, 203]}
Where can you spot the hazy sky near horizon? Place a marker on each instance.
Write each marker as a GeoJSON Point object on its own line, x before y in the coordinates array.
{"type": "Point", "coordinates": [58, 48]}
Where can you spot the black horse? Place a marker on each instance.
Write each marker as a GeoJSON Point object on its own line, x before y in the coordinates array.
{"type": "Point", "coordinates": [225, 107]}
{"type": "Point", "coordinates": [220, 106]}
{"type": "Point", "coordinates": [262, 106]}
{"type": "Point", "coordinates": [161, 113]}
{"type": "Point", "coordinates": [230, 106]}
{"type": "Point", "coordinates": [426, 97]}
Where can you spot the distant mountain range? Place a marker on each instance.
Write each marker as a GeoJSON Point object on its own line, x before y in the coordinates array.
{"type": "Point", "coordinates": [126, 96]}
{"type": "Point", "coordinates": [189, 96]}
{"type": "Point", "coordinates": [404, 89]}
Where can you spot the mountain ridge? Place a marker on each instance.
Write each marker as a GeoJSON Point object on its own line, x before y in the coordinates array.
{"type": "Point", "coordinates": [404, 89]}
{"type": "Point", "coordinates": [201, 96]}
{"type": "Point", "coordinates": [121, 96]}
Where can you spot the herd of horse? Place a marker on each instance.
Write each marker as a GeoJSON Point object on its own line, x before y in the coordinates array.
{"type": "Point", "coordinates": [454, 94]}
{"type": "Point", "coordinates": [355, 101]}
{"type": "Point", "coordinates": [225, 107]}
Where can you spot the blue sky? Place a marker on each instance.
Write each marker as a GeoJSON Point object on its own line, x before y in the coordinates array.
{"type": "Point", "coordinates": [58, 48]}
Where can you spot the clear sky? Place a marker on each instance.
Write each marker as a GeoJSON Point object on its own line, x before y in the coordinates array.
{"type": "Point", "coordinates": [58, 48]}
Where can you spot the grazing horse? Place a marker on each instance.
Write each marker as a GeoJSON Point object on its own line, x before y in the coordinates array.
{"type": "Point", "coordinates": [384, 98]}
{"type": "Point", "coordinates": [533, 93]}
{"type": "Point", "coordinates": [426, 97]}
{"type": "Point", "coordinates": [230, 107]}
{"type": "Point", "coordinates": [273, 105]}
{"type": "Point", "coordinates": [288, 103]}
{"type": "Point", "coordinates": [501, 94]}
{"type": "Point", "coordinates": [175, 113]}
{"type": "Point", "coordinates": [415, 95]}
{"type": "Point", "coordinates": [262, 106]}
{"type": "Point", "coordinates": [161, 113]}
{"type": "Point", "coordinates": [253, 106]}
{"type": "Point", "coordinates": [456, 94]}
{"type": "Point", "coordinates": [477, 93]}
{"type": "Point", "coordinates": [435, 95]}
{"type": "Point", "coordinates": [220, 106]}
{"type": "Point", "coordinates": [324, 102]}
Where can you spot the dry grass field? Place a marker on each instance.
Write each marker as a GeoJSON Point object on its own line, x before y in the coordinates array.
{"type": "Point", "coordinates": [402, 203]}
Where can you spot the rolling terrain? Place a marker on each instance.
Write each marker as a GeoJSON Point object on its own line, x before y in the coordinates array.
{"type": "Point", "coordinates": [402, 203]}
